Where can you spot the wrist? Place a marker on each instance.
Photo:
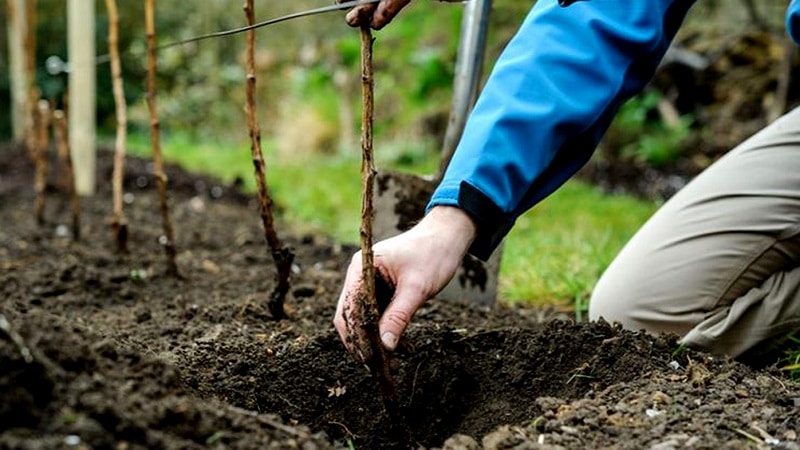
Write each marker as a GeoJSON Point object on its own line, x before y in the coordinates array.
{"type": "Point", "coordinates": [452, 225]}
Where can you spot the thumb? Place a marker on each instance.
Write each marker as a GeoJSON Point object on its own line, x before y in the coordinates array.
{"type": "Point", "coordinates": [398, 314]}
{"type": "Point", "coordinates": [360, 15]}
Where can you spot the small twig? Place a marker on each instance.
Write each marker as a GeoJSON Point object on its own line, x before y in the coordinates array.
{"type": "Point", "coordinates": [267, 421]}
{"type": "Point", "coordinates": [30, 69]}
{"type": "Point", "coordinates": [42, 157]}
{"type": "Point", "coordinates": [768, 438]}
{"type": "Point", "coordinates": [62, 142]}
{"type": "Point", "coordinates": [286, 400]}
{"type": "Point", "coordinates": [281, 256]}
{"type": "Point", "coordinates": [780, 383]}
{"type": "Point", "coordinates": [119, 225]}
{"type": "Point", "coordinates": [155, 139]}
{"type": "Point", "coordinates": [5, 327]}
{"type": "Point", "coordinates": [29, 354]}
{"type": "Point", "coordinates": [347, 431]}
{"type": "Point", "coordinates": [414, 382]}
{"type": "Point", "coordinates": [746, 435]}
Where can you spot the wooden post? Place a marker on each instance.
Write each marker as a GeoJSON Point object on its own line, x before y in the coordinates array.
{"type": "Point", "coordinates": [16, 20]}
{"type": "Point", "coordinates": [82, 128]}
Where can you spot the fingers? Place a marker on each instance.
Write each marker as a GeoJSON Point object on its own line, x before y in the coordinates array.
{"type": "Point", "coordinates": [408, 297]}
{"type": "Point", "coordinates": [348, 315]}
{"type": "Point", "coordinates": [377, 15]}
{"type": "Point", "coordinates": [386, 11]}
{"type": "Point", "coordinates": [360, 15]}
{"type": "Point", "coordinates": [393, 322]}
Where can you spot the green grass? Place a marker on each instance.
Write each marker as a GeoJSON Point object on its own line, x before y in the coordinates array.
{"type": "Point", "coordinates": [555, 253]}
{"type": "Point", "coordinates": [321, 194]}
{"type": "Point", "coordinates": [792, 361]}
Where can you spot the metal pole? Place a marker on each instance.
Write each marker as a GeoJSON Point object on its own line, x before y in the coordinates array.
{"type": "Point", "coordinates": [469, 61]}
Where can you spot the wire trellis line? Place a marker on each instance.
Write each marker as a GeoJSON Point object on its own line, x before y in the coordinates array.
{"type": "Point", "coordinates": [56, 65]}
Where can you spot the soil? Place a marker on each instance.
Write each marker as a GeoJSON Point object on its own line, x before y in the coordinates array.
{"type": "Point", "coordinates": [103, 350]}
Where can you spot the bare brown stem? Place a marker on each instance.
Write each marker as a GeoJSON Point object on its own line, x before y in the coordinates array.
{"type": "Point", "coordinates": [281, 256]}
{"type": "Point", "coordinates": [60, 132]}
{"type": "Point", "coordinates": [30, 68]}
{"type": "Point", "coordinates": [42, 157]}
{"type": "Point", "coordinates": [119, 225]}
{"type": "Point", "coordinates": [378, 361]}
{"type": "Point", "coordinates": [155, 138]}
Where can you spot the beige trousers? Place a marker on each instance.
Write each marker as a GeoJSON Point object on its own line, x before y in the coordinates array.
{"type": "Point", "coordinates": [719, 263]}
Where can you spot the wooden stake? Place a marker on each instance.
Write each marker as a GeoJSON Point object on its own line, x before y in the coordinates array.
{"type": "Point", "coordinates": [378, 361]}
{"type": "Point", "coordinates": [16, 24]}
{"type": "Point", "coordinates": [61, 136]}
{"type": "Point", "coordinates": [42, 154]}
{"type": "Point", "coordinates": [118, 224]}
{"type": "Point", "coordinates": [155, 137]}
{"type": "Point", "coordinates": [281, 256]}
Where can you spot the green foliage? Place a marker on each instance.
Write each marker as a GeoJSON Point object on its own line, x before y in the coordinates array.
{"type": "Point", "coordinates": [558, 250]}
{"type": "Point", "coordinates": [433, 73]}
{"type": "Point", "coordinates": [646, 138]}
{"type": "Point", "coordinates": [679, 350]}
{"type": "Point", "coordinates": [555, 253]}
{"type": "Point", "coordinates": [792, 360]}
{"type": "Point", "coordinates": [317, 195]}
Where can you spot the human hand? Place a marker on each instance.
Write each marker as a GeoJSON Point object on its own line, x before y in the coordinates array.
{"type": "Point", "coordinates": [376, 15]}
{"type": "Point", "coordinates": [417, 264]}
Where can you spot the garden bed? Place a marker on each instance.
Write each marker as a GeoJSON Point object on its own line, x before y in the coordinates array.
{"type": "Point", "coordinates": [123, 356]}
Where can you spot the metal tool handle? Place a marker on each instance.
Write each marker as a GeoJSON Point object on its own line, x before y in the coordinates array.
{"type": "Point", "coordinates": [469, 61]}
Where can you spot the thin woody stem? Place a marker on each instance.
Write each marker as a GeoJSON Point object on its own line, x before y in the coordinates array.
{"type": "Point", "coordinates": [62, 141]}
{"type": "Point", "coordinates": [378, 361]}
{"type": "Point", "coordinates": [155, 138]}
{"type": "Point", "coordinates": [118, 223]}
{"type": "Point", "coordinates": [281, 256]}
{"type": "Point", "coordinates": [42, 157]}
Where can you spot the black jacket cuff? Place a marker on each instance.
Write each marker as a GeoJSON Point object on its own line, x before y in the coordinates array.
{"type": "Point", "coordinates": [492, 223]}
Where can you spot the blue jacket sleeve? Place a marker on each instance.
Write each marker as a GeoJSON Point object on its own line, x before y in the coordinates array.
{"type": "Point", "coordinates": [793, 21]}
{"type": "Point", "coordinates": [548, 101]}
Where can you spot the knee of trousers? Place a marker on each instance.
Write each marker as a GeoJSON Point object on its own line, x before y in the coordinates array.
{"type": "Point", "coordinates": [629, 300]}
{"type": "Point", "coordinates": [619, 298]}
{"type": "Point", "coordinates": [611, 302]}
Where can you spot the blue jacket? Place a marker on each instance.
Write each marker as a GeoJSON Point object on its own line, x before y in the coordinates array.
{"type": "Point", "coordinates": [550, 98]}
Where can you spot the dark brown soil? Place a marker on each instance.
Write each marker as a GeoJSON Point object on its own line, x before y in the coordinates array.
{"type": "Point", "coordinates": [115, 354]}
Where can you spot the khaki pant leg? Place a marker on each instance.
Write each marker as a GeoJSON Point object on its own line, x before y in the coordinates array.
{"type": "Point", "coordinates": [718, 263]}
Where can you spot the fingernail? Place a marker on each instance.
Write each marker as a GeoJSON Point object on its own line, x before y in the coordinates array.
{"type": "Point", "coordinates": [389, 340]}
